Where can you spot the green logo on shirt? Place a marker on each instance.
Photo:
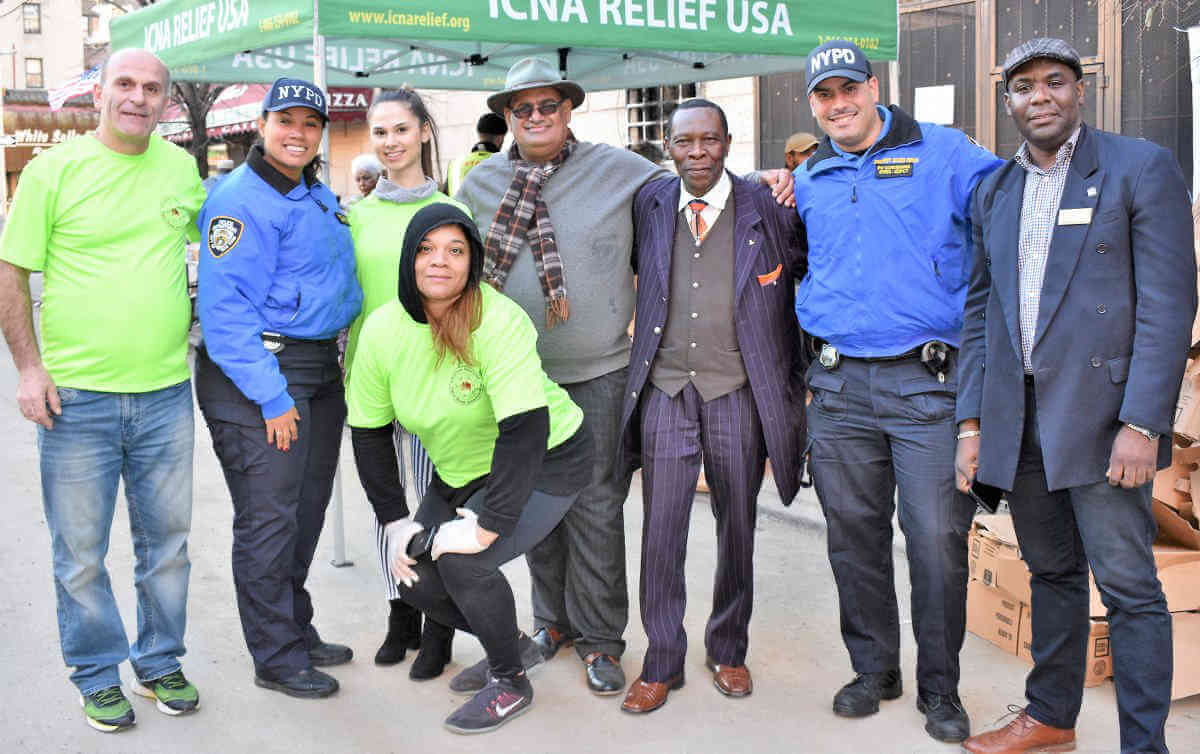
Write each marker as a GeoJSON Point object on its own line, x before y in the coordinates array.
{"type": "Point", "coordinates": [173, 212]}
{"type": "Point", "coordinates": [465, 385]}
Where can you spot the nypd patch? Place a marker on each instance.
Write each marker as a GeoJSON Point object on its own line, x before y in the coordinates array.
{"type": "Point", "coordinates": [223, 234]}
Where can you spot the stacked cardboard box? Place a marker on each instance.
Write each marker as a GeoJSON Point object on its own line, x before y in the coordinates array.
{"type": "Point", "coordinates": [998, 602]}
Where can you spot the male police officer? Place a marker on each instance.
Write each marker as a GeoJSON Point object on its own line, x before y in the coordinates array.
{"type": "Point", "coordinates": [884, 200]}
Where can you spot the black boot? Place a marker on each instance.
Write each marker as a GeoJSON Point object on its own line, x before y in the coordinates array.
{"type": "Point", "coordinates": [404, 633]}
{"type": "Point", "coordinates": [436, 643]}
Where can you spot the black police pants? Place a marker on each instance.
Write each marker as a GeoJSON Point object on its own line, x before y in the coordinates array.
{"type": "Point", "coordinates": [875, 428]}
{"type": "Point", "coordinates": [279, 498]}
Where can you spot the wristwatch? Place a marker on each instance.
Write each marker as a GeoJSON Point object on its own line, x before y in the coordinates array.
{"type": "Point", "coordinates": [1149, 434]}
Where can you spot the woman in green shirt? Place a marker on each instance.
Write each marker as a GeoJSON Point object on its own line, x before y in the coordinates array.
{"type": "Point", "coordinates": [404, 140]}
{"type": "Point", "coordinates": [456, 363]}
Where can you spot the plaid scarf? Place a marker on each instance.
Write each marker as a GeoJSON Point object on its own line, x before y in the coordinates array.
{"type": "Point", "coordinates": [523, 213]}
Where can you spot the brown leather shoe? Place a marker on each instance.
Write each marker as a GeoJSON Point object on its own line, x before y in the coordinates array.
{"type": "Point", "coordinates": [1022, 734]}
{"type": "Point", "coordinates": [730, 680]}
{"type": "Point", "coordinates": [647, 696]}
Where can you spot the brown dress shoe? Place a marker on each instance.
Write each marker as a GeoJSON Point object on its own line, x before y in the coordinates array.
{"type": "Point", "coordinates": [1022, 734]}
{"type": "Point", "coordinates": [730, 680]}
{"type": "Point", "coordinates": [647, 696]}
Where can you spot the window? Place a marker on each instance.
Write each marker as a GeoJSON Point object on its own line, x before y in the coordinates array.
{"type": "Point", "coordinates": [647, 111]}
{"type": "Point", "coordinates": [33, 74]}
{"type": "Point", "coordinates": [937, 47]}
{"type": "Point", "coordinates": [31, 13]}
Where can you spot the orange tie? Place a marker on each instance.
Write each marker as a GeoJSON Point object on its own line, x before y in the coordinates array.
{"type": "Point", "coordinates": [699, 227]}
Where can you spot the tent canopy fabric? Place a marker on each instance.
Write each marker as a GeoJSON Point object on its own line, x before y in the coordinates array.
{"type": "Point", "coordinates": [470, 44]}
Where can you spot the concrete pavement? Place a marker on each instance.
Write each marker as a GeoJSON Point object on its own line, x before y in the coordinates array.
{"type": "Point", "coordinates": [796, 654]}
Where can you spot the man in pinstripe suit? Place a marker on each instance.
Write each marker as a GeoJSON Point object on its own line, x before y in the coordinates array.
{"type": "Point", "coordinates": [716, 372]}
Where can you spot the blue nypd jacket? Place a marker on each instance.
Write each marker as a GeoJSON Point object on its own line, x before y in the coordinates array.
{"type": "Point", "coordinates": [277, 257]}
{"type": "Point", "coordinates": [889, 238]}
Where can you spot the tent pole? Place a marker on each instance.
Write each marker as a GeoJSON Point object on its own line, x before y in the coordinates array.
{"type": "Point", "coordinates": [319, 71]}
{"type": "Point", "coordinates": [319, 76]}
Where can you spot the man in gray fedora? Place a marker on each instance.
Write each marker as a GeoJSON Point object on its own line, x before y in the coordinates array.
{"type": "Point", "coordinates": [557, 217]}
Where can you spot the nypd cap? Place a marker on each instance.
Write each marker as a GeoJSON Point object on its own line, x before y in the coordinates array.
{"type": "Point", "coordinates": [1041, 47]}
{"type": "Point", "coordinates": [285, 93]}
{"type": "Point", "coordinates": [837, 57]}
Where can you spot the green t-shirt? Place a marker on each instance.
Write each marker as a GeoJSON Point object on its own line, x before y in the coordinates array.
{"type": "Point", "coordinates": [377, 227]}
{"type": "Point", "coordinates": [108, 231]}
{"type": "Point", "coordinates": [453, 408]}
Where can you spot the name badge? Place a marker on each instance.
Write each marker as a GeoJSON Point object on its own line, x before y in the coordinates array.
{"type": "Point", "coordinates": [1080, 216]}
{"type": "Point", "coordinates": [894, 167]}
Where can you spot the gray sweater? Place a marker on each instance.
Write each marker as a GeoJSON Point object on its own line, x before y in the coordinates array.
{"type": "Point", "coordinates": [590, 200]}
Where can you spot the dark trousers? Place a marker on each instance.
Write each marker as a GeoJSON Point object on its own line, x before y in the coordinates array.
{"type": "Point", "coordinates": [578, 571]}
{"type": "Point", "coordinates": [874, 427]}
{"type": "Point", "coordinates": [279, 498]}
{"type": "Point", "coordinates": [1112, 529]}
{"type": "Point", "coordinates": [675, 432]}
{"type": "Point", "coordinates": [469, 592]}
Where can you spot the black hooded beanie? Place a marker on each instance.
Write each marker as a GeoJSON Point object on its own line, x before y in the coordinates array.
{"type": "Point", "coordinates": [428, 218]}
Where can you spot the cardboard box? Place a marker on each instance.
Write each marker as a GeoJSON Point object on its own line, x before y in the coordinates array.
{"type": "Point", "coordinates": [993, 557]}
{"type": "Point", "coordinates": [994, 560]}
{"type": "Point", "coordinates": [1174, 529]}
{"type": "Point", "coordinates": [993, 615]}
{"type": "Point", "coordinates": [1187, 408]}
{"type": "Point", "coordinates": [1186, 678]}
{"type": "Point", "coordinates": [1099, 654]}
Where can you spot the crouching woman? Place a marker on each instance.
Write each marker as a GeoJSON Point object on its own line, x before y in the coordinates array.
{"type": "Point", "coordinates": [455, 362]}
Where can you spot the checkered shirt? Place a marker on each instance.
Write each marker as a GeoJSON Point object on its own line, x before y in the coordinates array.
{"type": "Point", "coordinates": [1043, 192]}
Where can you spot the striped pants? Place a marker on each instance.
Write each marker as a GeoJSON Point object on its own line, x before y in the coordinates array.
{"type": "Point", "coordinates": [422, 474]}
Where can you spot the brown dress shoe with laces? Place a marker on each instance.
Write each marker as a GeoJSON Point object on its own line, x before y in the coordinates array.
{"type": "Point", "coordinates": [730, 680]}
{"type": "Point", "coordinates": [1021, 735]}
{"type": "Point", "coordinates": [647, 696]}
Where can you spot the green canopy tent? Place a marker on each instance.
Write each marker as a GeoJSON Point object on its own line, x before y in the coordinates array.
{"type": "Point", "coordinates": [469, 44]}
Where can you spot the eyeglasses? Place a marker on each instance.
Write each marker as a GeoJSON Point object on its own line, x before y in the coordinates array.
{"type": "Point", "coordinates": [545, 107]}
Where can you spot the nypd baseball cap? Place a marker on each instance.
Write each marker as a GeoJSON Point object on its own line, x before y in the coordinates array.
{"type": "Point", "coordinates": [285, 93]}
{"type": "Point", "coordinates": [837, 57]}
{"type": "Point", "coordinates": [1041, 47]}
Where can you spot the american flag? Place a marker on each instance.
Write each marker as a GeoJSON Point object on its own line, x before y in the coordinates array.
{"type": "Point", "coordinates": [81, 84]}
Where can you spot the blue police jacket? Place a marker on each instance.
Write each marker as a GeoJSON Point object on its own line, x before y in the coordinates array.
{"type": "Point", "coordinates": [277, 257]}
{"type": "Point", "coordinates": [889, 237]}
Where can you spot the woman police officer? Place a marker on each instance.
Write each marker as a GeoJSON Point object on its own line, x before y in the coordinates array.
{"type": "Point", "coordinates": [276, 285]}
{"type": "Point", "coordinates": [456, 363]}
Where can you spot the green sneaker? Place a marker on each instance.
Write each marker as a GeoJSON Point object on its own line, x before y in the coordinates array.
{"type": "Point", "coordinates": [173, 694]}
{"type": "Point", "coordinates": [107, 710]}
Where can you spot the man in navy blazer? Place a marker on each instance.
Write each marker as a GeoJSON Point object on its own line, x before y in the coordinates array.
{"type": "Point", "coordinates": [1076, 332]}
{"type": "Point", "coordinates": [715, 372]}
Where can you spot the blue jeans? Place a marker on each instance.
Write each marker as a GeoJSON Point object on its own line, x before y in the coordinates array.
{"type": "Point", "coordinates": [145, 439]}
{"type": "Point", "coordinates": [1111, 529]}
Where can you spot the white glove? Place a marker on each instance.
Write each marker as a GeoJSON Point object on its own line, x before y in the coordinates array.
{"type": "Point", "coordinates": [396, 537]}
{"type": "Point", "coordinates": [459, 535]}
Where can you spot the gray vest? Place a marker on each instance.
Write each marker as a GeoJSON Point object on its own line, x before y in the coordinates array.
{"type": "Point", "coordinates": [699, 343]}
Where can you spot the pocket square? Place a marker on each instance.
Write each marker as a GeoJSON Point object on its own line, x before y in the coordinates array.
{"type": "Point", "coordinates": [771, 276]}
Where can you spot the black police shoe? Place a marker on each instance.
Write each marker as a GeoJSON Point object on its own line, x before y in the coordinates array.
{"type": "Point", "coordinates": [604, 674]}
{"type": "Point", "coordinates": [325, 654]}
{"type": "Point", "coordinates": [945, 718]}
{"type": "Point", "coordinates": [309, 683]}
{"type": "Point", "coordinates": [861, 696]}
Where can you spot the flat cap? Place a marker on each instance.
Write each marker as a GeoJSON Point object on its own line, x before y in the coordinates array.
{"type": "Point", "coordinates": [1041, 47]}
